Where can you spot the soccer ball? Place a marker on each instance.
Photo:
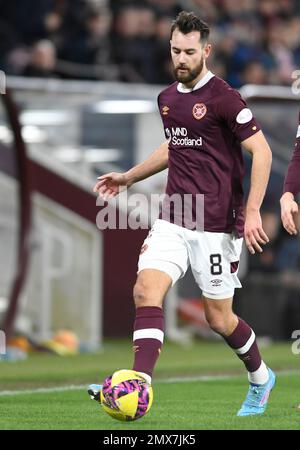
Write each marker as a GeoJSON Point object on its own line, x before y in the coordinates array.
{"type": "Point", "coordinates": [126, 395]}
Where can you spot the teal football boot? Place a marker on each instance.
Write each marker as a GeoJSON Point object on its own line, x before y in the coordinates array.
{"type": "Point", "coordinates": [257, 397]}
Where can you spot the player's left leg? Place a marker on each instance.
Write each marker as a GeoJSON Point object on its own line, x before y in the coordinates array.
{"type": "Point", "coordinates": [215, 261]}
{"type": "Point", "coordinates": [241, 338]}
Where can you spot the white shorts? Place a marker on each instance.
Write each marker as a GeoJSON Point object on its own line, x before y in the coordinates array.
{"type": "Point", "coordinates": [214, 257]}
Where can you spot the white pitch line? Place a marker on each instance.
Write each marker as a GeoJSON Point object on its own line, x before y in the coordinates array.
{"type": "Point", "coordinates": [219, 377]}
{"type": "Point", "coordinates": [196, 378]}
{"type": "Point", "coordinates": [80, 387]}
{"type": "Point", "coordinates": [71, 387]}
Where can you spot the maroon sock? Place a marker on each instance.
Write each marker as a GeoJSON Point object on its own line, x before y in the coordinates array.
{"type": "Point", "coordinates": [148, 338]}
{"type": "Point", "coordinates": [243, 342]}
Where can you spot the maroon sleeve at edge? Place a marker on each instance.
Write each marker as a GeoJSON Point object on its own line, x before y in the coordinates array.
{"type": "Point", "coordinates": [292, 178]}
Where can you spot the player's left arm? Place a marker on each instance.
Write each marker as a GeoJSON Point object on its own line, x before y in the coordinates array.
{"type": "Point", "coordinates": [261, 153]}
{"type": "Point", "coordinates": [234, 111]}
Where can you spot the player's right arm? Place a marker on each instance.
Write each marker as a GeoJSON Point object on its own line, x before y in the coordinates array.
{"type": "Point", "coordinates": [291, 188]}
{"type": "Point", "coordinates": [111, 184]}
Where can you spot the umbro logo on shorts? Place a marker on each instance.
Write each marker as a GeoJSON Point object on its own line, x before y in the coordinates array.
{"type": "Point", "coordinates": [216, 282]}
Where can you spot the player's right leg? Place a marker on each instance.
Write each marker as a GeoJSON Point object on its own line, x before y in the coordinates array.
{"type": "Point", "coordinates": [149, 292]}
{"type": "Point", "coordinates": [163, 260]}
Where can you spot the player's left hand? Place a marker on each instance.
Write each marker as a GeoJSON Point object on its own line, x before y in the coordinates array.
{"type": "Point", "coordinates": [254, 233]}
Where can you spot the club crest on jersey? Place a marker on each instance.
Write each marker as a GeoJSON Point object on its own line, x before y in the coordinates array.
{"type": "Point", "coordinates": [165, 110]}
{"type": "Point", "coordinates": [199, 110]}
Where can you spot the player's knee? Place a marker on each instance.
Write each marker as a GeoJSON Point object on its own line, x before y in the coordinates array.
{"type": "Point", "coordinates": [218, 324]}
{"type": "Point", "coordinates": [142, 295]}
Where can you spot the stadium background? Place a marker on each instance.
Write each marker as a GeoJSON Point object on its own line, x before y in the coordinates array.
{"type": "Point", "coordinates": [82, 80]}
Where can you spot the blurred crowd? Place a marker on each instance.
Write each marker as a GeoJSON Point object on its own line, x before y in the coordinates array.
{"type": "Point", "coordinates": [255, 41]}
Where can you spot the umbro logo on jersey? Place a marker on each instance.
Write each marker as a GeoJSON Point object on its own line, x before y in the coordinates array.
{"type": "Point", "coordinates": [199, 110]}
{"type": "Point", "coordinates": [165, 110]}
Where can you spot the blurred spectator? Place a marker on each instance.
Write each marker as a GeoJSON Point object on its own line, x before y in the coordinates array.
{"type": "Point", "coordinates": [89, 44]}
{"type": "Point", "coordinates": [209, 10]}
{"type": "Point", "coordinates": [254, 72]}
{"type": "Point", "coordinates": [42, 60]}
{"type": "Point", "coordinates": [166, 7]}
{"type": "Point", "coordinates": [163, 64]}
{"type": "Point", "coordinates": [278, 48]}
{"type": "Point", "coordinates": [8, 41]}
{"type": "Point", "coordinates": [28, 18]}
{"type": "Point", "coordinates": [134, 43]}
{"type": "Point", "coordinates": [254, 41]}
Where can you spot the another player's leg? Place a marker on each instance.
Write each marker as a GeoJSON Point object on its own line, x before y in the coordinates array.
{"type": "Point", "coordinates": [241, 338]}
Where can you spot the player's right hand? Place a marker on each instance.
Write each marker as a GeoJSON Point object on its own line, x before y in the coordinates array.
{"type": "Point", "coordinates": [288, 208]}
{"type": "Point", "coordinates": [254, 233]}
{"type": "Point", "coordinates": [111, 184]}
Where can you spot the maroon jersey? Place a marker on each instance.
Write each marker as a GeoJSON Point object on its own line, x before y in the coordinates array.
{"type": "Point", "coordinates": [292, 179]}
{"type": "Point", "coordinates": [205, 127]}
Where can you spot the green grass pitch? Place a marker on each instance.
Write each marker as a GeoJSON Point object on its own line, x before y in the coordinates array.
{"type": "Point", "coordinates": [181, 402]}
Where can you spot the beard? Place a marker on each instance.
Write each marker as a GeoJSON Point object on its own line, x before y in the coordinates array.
{"type": "Point", "coordinates": [190, 75]}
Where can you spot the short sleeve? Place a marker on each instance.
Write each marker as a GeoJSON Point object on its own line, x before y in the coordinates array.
{"type": "Point", "coordinates": [236, 115]}
{"type": "Point", "coordinates": [292, 178]}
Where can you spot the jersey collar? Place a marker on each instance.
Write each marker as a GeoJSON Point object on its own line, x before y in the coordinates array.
{"type": "Point", "coordinates": [181, 88]}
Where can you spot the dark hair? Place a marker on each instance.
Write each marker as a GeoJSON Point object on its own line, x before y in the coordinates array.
{"type": "Point", "coordinates": [186, 22]}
